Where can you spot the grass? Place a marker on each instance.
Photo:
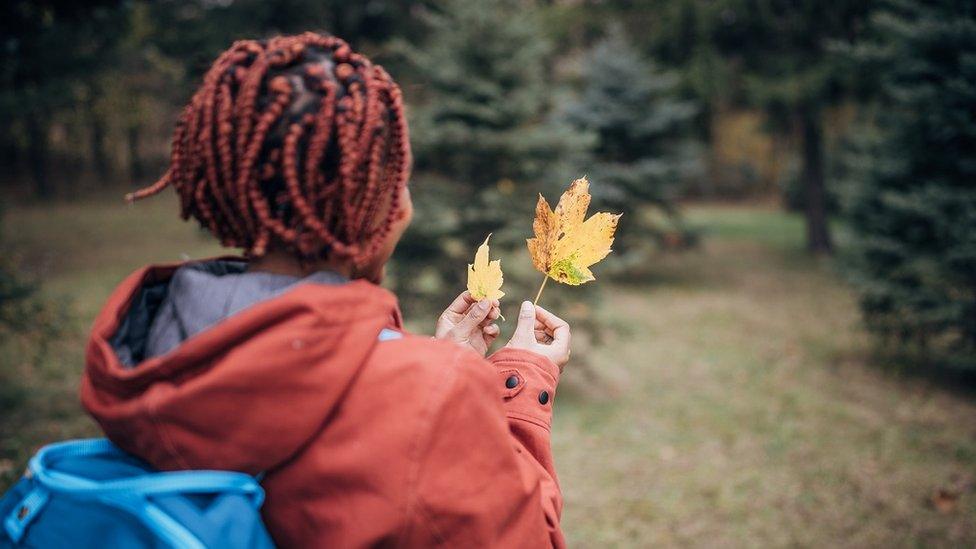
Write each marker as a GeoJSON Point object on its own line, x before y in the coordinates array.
{"type": "Point", "coordinates": [736, 405]}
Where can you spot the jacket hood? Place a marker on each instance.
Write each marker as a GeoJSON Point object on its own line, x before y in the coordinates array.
{"type": "Point", "coordinates": [225, 398]}
{"type": "Point", "coordinates": [197, 297]}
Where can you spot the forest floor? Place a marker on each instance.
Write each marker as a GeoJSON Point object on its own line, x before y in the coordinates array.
{"type": "Point", "coordinates": [738, 402]}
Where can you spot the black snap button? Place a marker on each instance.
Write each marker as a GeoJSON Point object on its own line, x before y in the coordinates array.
{"type": "Point", "coordinates": [544, 397]}
{"type": "Point", "coordinates": [511, 382]}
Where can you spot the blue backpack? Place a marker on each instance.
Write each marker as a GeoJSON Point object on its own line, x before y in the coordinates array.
{"type": "Point", "coordinates": [89, 493]}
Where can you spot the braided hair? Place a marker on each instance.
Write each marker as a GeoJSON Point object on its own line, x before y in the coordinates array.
{"type": "Point", "coordinates": [294, 142]}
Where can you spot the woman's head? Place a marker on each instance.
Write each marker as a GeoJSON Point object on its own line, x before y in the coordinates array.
{"type": "Point", "coordinates": [295, 144]}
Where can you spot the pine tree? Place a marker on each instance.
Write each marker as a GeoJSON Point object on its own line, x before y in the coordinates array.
{"type": "Point", "coordinates": [914, 213]}
{"type": "Point", "coordinates": [641, 154]}
{"type": "Point", "coordinates": [484, 140]}
{"type": "Point", "coordinates": [485, 96]}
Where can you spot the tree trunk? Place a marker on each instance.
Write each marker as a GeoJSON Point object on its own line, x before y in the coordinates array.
{"type": "Point", "coordinates": [10, 152]}
{"type": "Point", "coordinates": [96, 126]}
{"type": "Point", "coordinates": [814, 189]}
{"type": "Point", "coordinates": [37, 154]}
{"type": "Point", "coordinates": [136, 169]}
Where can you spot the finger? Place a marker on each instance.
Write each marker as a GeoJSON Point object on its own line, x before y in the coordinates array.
{"type": "Point", "coordinates": [472, 320]}
{"type": "Point", "coordinates": [549, 320]}
{"type": "Point", "coordinates": [493, 313]}
{"type": "Point", "coordinates": [496, 309]}
{"type": "Point", "coordinates": [461, 303]}
{"type": "Point", "coordinates": [558, 327]}
{"type": "Point", "coordinates": [524, 330]}
{"type": "Point", "coordinates": [490, 333]}
{"type": "Point", "coordinates": [541, 328]}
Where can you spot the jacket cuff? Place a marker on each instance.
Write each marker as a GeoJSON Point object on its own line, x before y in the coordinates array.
{"type": "Point", "coordinates": [528, 382]}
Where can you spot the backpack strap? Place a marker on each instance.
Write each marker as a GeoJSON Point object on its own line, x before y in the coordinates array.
{"type": "Point", "coordinates": [129, 494]}
{"type": "Point", "coordinates": [24, 512]}
{"type": "Point", "coordinates": [186, 482]}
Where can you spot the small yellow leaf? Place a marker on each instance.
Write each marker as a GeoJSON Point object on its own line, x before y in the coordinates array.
{"type": "Point", "coordinates": [566, 244]}
{"type": "Point", "coordinates": [485, 277]}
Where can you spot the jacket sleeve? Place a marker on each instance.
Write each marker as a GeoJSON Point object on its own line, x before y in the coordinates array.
{"type": "Point", "coordinates": [485, 475]}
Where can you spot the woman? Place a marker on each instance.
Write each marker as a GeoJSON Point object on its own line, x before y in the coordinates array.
{"type": "Point", "coordinates": [292, 361]}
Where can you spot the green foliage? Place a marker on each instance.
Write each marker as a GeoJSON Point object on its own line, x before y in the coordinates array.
{"type": "Point", "coordinates": [482, 112]}
{"type": "Point", "coordinates": [914, 215]}
{"type": "Point", "coordinates": [111, 75]}
{"type": "Point", "coordinates": [50, 49]}
{"type": "Point", "coordinates": [18, 309]}
{"type": "Point", "coordinates": [789, 71]}
{"type": "Point", "coordinates": [27, 326]}
{"type": "Point", "coordinates": [784, 49]}
{"type": "Point", "coordinates": [641, 155]}
{"type": "Point", "coordinates": [484, 139]}
{"type": "Point", "coordinates": [774, 55]}
{"type": "Point", "coordinates": [194, 32]}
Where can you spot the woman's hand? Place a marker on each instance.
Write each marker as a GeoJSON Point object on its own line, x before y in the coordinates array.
{"type": "Point", "coordinates": [469, 322]}
{"type": "Point", "coordinates": [543, 333]}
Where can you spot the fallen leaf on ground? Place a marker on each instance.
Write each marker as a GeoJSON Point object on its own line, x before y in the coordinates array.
{"type": "Point", "coordinates": [944, 500]}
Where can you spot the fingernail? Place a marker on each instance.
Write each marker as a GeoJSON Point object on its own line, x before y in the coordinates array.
{"type": "Point", "coordinates": [527, 307]}
{"type": "Point", "coordinates": [483, 305]}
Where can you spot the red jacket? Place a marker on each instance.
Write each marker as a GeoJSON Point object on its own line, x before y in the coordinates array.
{"type": "Point", "coordinates": [405, 442]}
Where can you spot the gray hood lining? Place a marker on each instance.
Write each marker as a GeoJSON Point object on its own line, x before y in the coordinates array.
{"type": "Point", "coordinates": [196, 298]}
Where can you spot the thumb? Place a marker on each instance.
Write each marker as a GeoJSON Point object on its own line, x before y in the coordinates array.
{"type": "Point", "coordinates": [524, 330]}
{"type": "Point", "coordinates": [476, 314]}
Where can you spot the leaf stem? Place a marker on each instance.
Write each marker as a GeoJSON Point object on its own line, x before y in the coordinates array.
{"type": "Point", "coordinates": [538, 295]}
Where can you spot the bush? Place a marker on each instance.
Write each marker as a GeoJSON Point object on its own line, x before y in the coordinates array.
{"type": "Point", "coordinates": [914, 214]}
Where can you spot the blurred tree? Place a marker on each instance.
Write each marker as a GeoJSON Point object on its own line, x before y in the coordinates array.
{"type": "Point", "coordinates": [486, 142]}
{"type": "Point", "coordinates": [782, 46]}
{"type": "Point", "coordinates": [641, 155]}
{"type": "Point", "coordinates": [98, 128]}
{"type": "Point", "coordinates": [97, 76]}
{"type": "Point", "coordinates": [50, 49]}
{"type": "Point", "coordinates": [914, 211]}
{"type": "Point", "coordinates": [773, 55]}
{"type": "Point", "coordinates": [680, 35]}
{"type": "Point", "coordinates": [482, 131]}
{"type": "Point", "coordinates": [147, 77]}
{"type": "Point", "coordinates": [194, 32]}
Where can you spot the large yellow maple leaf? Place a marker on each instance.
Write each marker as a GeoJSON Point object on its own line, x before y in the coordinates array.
{"type": "Point", "coordinates": [485, 277]}
{"type": "Point", "coordinates": [566, 244]}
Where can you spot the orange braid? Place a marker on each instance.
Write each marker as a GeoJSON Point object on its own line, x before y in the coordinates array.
{"type": "Point", "coordinates": [296, 142]}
